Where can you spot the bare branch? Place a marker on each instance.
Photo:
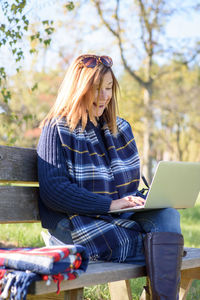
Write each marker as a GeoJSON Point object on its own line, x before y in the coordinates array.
{"type": "Point", "coordinates": [97, 4]}
{"type": "Point", "coordinates": [144, 20]}
{"type": "Point", "coordinates": [118, 36]}
{"type": "Point", "coordinates": [192, 58]}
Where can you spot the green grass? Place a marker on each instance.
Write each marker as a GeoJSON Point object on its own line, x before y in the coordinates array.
{"type": "Point", "coordinates": [23, 235]}
{"type": "Point", "coordinates": [190, 224]}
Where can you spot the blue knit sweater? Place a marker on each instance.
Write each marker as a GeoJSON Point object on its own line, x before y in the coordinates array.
{"type": "Point", "coordinates": [59, 196]}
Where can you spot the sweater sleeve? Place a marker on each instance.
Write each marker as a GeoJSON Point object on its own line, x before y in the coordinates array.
{"type": "Point", "coordinates": [56, 190]}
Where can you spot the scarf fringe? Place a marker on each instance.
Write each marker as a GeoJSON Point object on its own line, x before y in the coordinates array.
{"type": "Point", "coordinates": [16, 283]}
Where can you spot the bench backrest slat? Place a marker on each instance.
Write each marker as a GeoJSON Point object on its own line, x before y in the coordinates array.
{"type": "Point", "coordinates": [18, 171]}
{"type": "Point", "coordinates": [18, 204]}
{"type": "Point", "coordinates": [18, 164]}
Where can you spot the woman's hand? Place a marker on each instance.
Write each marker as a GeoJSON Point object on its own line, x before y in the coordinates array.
{"type": "Point", "coordinates": [128, 201]}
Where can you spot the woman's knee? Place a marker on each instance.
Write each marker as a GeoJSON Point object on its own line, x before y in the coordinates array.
{"type": "Point", "coordinates": [169, 220]}
{"type": "Point", "coordinates": [62, 231]}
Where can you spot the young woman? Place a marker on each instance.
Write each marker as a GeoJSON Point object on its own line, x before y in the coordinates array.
{"type": "Point", "coordinates": [88, 164]}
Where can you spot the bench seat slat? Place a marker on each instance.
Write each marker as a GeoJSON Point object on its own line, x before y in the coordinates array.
{"type": "Point", "coordinates": [96, 274]}
{"type": "Point", "coordinates": [103, 272]}
{"type": "Point", "coordinates": [18, 164]}
{"type": "Point", "coordinates": [18, 204]}
{"type": "Point", "coordinates": [192, 259]}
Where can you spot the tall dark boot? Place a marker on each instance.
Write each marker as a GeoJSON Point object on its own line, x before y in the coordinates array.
{"type": "Point", "coordinates": [163, 253]}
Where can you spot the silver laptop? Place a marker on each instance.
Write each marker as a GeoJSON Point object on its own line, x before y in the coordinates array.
{"type": "Point", "coordinates": [175, 184]}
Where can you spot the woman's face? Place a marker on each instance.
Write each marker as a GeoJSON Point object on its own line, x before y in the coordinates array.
{"type": "Point", "coordinates": [105, 94]}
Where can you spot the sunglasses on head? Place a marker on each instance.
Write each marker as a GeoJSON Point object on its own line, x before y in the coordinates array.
{"type": "Point", "coordinates": [91, 61]}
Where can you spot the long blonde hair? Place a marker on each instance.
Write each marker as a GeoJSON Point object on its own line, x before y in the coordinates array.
{"type": "Point", "coordinates": [77, 93]}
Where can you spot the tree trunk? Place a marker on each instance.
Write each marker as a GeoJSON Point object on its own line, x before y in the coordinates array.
{"type": "Point", "coordinates": [147, 157]}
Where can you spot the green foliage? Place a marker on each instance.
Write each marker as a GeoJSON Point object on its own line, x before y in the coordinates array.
{"type": "Point", "coordinates": [17, 24]}
{"type": "Point", "coordinates": [16, 117]}
{"type": "Point", "coordinates": [12, 32]}
{"type": "Point", "coordinates": [13, 29]}
{"type": "Point", "coordinates": [70, 5]}
{"type": "Point", "coordinates": [175, 112]}
{"type": "Point", "coordinates": [33, 94]}
{"type": "Point", "coordinates": [176, 109]}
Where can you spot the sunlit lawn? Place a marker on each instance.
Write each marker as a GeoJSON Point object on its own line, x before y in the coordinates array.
{"type": "Point", "coordinates": [23, 235]}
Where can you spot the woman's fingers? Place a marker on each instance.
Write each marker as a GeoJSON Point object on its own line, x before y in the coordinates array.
{"type": "Point", "coordinates": [136, 200]}
{"type": "Point", "coordinates": [128, 201]}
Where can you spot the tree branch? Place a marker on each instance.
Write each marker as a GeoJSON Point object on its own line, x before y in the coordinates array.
{"type": "Point", "coordinates": [118, 36]}
{"type": "Point", "coordinates": [147, 25]}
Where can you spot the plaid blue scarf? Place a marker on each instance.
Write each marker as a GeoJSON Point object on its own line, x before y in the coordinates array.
{"type": "Point", "coordinates": [112, 169]}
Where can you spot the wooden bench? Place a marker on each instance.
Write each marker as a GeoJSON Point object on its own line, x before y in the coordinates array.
{"type": "Point", "coordinates": [18, 204]}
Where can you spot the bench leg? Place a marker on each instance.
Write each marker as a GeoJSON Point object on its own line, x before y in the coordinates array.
{"type": "Point", "coordinates": [120, 290]}
{"type": "Point", "coordinates": [144, 295]}
{"type": "Point", "coordinates": [76, 294]}
{"type": "Point", "coordinates": [187, 276]}
{"type": "Point", "coordinates": [184, 288]}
